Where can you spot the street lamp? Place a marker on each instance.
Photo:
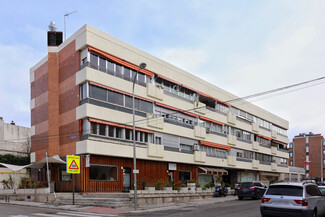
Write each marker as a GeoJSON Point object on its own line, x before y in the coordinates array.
{"type": "Point", "coordinates": [135, 171]}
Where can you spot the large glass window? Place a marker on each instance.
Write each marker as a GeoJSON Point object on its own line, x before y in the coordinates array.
{"type": "Point", "coordinates": [103, 172]}
{"type": "Point", "coordinates": [115, 97]}
{"type": "Point", "coordinates": [93, 60]}
{"type": "Point", "coordinates": [98, 93]}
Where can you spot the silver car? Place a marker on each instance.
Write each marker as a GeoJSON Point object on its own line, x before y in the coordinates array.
{"type": "Point", "coordinates": [293, 199]}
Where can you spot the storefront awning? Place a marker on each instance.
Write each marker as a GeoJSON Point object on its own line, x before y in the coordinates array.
{"type": "Point", "coordinates": [214, 170]}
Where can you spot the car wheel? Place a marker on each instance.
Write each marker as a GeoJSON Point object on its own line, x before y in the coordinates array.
{"type": "Point", "coordinates": [225, 194]}
{"type": "Point", "coordinates": [240, 198]}
{"type": "Point", "coordinates": [314, 213]}
{"type": "Point", "coordinates": [258, 196]}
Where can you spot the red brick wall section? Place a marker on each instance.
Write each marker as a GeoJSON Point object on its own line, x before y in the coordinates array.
{"type": "Point", "coordinates": [53, 103]}
{"type": "Point", "coordinates": [315, 156]}
{"type": "Point", "coordinates": [299, 151]}
{"type": "Point", "coordinates": [39, 142]}
{"type": "Point", "coordinates": [69, 100]}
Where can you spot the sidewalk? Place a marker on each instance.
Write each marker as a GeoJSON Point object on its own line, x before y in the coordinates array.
{"type": "Point", "coordinates": [141, 209]}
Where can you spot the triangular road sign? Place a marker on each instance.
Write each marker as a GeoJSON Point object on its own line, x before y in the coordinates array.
{"type": "Point", "coordinates": [73, 166]}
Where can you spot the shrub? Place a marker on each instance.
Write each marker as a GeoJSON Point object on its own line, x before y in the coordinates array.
{"type": "Point", "coordinates": [204, 188]}
{"type": "Point", "coordinates": [192, 181]}
{"type": "Point", "coordinates": [183, 185]}
{"type": "Point", "coordinates": [169, 184]}
{"type": "Point", "coordinates": [207, 185]}
{"type": "Point", "coordinates": [143, 183]}
{"type": "Point", "coordinates": [158, 185]}
{"type": "Point", "coordinates": [211, 185]}
{"type": "Point", "coordinates": [177, 188]}
{"type": "Point", "coordinates": [8, 183]}
{"type": "Point", "coordinates": [198, 185]}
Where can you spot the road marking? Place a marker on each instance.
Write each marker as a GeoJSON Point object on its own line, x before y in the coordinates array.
{"type": "Point", "coordinates": [79, 214]}
{"type": "Point", "coordinates": [49, 215]}
{"type": "Point", "coordinates": [91, 213]}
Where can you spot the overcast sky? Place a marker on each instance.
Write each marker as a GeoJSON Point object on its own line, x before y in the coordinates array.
{"type": "Point", "coordinates": [244, 47]}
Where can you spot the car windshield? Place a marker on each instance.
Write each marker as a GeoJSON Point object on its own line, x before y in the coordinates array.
{"type": "Point", "coordinates": [286, 190]}
{"type": "Point", "coordinates": [322, 191]}
{"type": "Point", "coordinates": [246, 184]}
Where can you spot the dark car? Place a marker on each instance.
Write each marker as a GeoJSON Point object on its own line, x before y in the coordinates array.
{"type": "Point", "coordinates": [254, 190]}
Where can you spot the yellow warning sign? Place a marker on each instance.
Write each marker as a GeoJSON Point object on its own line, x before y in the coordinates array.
{"type": "Point", "coordinates": [73, 164]}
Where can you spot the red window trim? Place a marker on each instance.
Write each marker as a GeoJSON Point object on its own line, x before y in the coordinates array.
{"type": "Point", "coordinates": [176, 109]}
{"type": "Point", "coordinates": [210, 120]}
{"type": "Point", "coordinates": [215, 145]}
{"type": "Point", "coordinates": [120, 61]}
{"type": "Point", "coordinates": [264, 137]}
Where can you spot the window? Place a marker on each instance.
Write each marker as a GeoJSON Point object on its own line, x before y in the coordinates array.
{"type": "Point", "coordinates": [93, 60]}
{"type": "Point", "coordinates": [102, 64]}
{"type": "Point", "coordinates": [102, 172]}
{"type": "Point", "coordinates": [115, 98]}
{"type": "Point", "coordinates": [102, 129]}
{"type": "Point", "coordinates": [98, 93]}
{"type": "Point", "coordinates": [295, 191]}
{"type": "Point", "coordinates": [64, 175]}
{"type": "Point", "coordinates": [184, 176]}
{"type": "Point", "coordinates": [110, 68]}
{"type": "Point", "coordinates": [158, 140]}
{"type": "Point", "coordinates": [186, 147]}
{"type": "Point", "coordinates": [290, 145]}
{"type": "Point", "coordinates": [84, 91]}
{"type": "Point", "coordinates": [119, 71]}
{"type": "Point", "coordinates": [94, 128]}
{"type": "Point", "coordinates": [127, 74]}
{"type": "Point", "coordinates": [290, 154]}
{"type": "Point", "coordinates": [291, 163]}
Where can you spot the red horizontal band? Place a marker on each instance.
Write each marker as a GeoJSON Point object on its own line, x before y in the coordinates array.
{"type": "Point", "coordinates": [210, 120]}
{"type": "Point", "coordinates": [215, 145]}
{"type": "Point", "coordinates": [122, 62]}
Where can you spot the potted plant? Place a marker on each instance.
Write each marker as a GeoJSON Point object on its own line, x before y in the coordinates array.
{"type": "Point", "coordinates": [191, 183]}
{"type": "Point", "coordinates": [198, 188]}
{"type": "Point", "coordinates": [168, 187]}
{"type": "Point", "coordinates": [150, 188]}
{"type": "Point", "coordinates": [184, 188]}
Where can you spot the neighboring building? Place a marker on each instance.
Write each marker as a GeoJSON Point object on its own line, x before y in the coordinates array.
{"type": "Point", "coordinates": [14, 139]}
{"type": "Point", "coordinates": [307, 151]}
{"type": "Point", "coordinates": [81, 104]}
{"type": "Point", "coordinates": [296, 174]}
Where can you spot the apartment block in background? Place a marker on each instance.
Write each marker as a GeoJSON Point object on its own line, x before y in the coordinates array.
{"type": "Point", "coordinates": [307, 151]}
{"type": "Point", "coordinates": [81, 97]}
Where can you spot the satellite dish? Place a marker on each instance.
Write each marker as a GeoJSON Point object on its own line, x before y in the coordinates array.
{"type": "Point", "coordinates": [52, 26]}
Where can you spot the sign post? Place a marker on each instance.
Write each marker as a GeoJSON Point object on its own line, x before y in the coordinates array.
{"type": "Point", "coordinates": [73, 167]}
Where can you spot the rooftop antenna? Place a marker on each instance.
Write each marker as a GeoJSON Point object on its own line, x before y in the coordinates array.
{"type": "Point", "coordinates": [65, 31]}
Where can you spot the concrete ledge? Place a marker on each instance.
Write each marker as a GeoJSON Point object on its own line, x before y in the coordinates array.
{"type": "Point", "coordinates": [161, 198]}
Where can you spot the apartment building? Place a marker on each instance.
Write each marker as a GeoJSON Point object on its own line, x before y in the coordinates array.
{"type": "Point", "coordinates": [14, 139]}
{"type": "Point", "coordinates": [307, 151]}
{"type": "Point", "coordinates": [81, 97]}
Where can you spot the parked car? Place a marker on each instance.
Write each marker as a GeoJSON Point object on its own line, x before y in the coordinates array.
{"type": "Point", "coordinates": [254, 190]}
{"type": "Point", "coordinates": [236, 188]}
{"type": "Point", "coordinates": [322, 189]}
{"type": "Point", "coordinates": [293, 199]}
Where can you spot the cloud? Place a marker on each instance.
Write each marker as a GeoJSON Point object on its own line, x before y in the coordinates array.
{"type": "Point", "coordinates": [15, 62]}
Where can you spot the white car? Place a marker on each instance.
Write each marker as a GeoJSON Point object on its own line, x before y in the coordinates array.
{"type": "Point", "coordinates": [293, 199]}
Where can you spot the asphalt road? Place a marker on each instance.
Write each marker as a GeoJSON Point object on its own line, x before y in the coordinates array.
{"type": "Point", "coordinates": [237, 208]}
